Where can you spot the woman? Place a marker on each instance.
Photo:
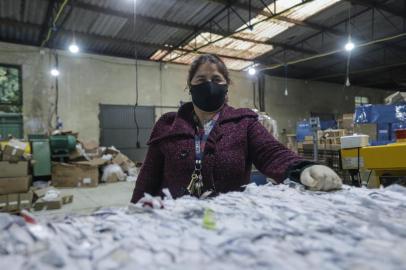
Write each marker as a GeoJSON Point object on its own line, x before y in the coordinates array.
{"type": "Point", "coordinates": [208, 147]}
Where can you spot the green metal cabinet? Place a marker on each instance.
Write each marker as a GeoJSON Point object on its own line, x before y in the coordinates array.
{"type": "Point", "coordinates": [41, 153]}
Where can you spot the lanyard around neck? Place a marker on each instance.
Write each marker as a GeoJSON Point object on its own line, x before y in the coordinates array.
{"type": "Point", "coordinates": [200, 140]}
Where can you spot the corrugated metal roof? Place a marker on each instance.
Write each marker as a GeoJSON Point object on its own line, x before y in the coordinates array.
{"type": "Point", "coordinates": [156, 34]}
{"type": "Point", "coordinates": [266, 29]}
{"type": "Point", "coordinates": [303, 12]}
{"type": "Point", "coordinates": [24, 35]}
{"type": "Point", "coordinates": [107, 25]}
{"type": "Point", "coordinates": [263, 30]}
{"type": "Point", "coordinates": [81, 20]}
{"type": "Point", "coordinates": [10, 9]}
{"type": "Point", "coordinates": [112, 33]}
{"type": "Point", "coordinates": [180, 11]}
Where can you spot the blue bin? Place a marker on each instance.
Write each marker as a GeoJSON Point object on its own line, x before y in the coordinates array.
{"type": "Point", "coordinates": [258, 178]}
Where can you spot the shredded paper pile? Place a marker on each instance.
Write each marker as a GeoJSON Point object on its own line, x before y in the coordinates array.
{"type": "Point", "coordinates": [268, 227]}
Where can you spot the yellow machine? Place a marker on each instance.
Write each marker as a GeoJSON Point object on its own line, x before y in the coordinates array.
{"type": "Point", "coordinates": [386, 163]}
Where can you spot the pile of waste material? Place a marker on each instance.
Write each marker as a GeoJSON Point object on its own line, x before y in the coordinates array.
{"type": "Point", "coordinates": [268, 227]}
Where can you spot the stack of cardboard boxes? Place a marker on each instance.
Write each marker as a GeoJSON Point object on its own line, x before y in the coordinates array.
{"type": "Point", "coordinates": [87, 164]}
{"type": "Point", "coordinates": [328, 139]}
{"type": "Point", "coordinates": [369, 129]}
{"type": "Point", "coordinates": [347, 122]}
{"type": "Point", "coordinates": [84, 168]}
{"type": "Point", "coordinates": [15, 179]}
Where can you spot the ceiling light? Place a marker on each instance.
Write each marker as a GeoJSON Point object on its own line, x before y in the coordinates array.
{"type": "Point", "coordinates": [349, 46]}
{"type": "Point", "coordinates": [252, 71]}
{"type": "Point", "coordinates": [286, 92]}
{"type": "Point", "coordinates": [73, 48]}
{"type": "Point", "coordinates": [55, 72]}
{"type": "Point", "coordinates": [347, 82]}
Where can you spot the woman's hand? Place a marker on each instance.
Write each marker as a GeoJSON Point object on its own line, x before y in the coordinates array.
{"type": "Point", "coordinates": [319, 177]}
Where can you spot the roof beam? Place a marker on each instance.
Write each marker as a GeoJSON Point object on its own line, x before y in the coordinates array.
{"type": "Point", "coordinates": [107, 40]}
{"type": "Point", "coordinates": [65, 19]}
{"type": "Point", "coordinates": [47, 23]}
{"type": "Point", "coordinates": [383, 7]}
{"type": "Point", "coordinates": [278, 44]}
{"type": "Point", "coordinates": [265, 13]}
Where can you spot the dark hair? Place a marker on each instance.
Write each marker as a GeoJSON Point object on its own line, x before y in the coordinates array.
{"type": "Point", "coordinates": [211, 58]}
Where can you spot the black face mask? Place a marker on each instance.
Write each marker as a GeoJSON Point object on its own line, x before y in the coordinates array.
{"type": "Point", "coordinates": [208, 96]}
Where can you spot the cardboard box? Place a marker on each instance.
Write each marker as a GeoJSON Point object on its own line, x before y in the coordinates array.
{"type": "Point", "coordinates": [112, 151]}
{"type": "Point", "coordinates": [348, 121]}
{"type": "Point", "coordinates": [10, 185]}
{"type": "Point", "coordinates": [15, 202]}
{"type": "Point", "coordinates": [40, 192]}
{"type": "Point", "coordinates": [309, 146]}
{"type": "Point", "coordinates": [94, 162]}
{"type": "Point", "coordinates": [41, 204]}
{"type": "Point", "coordinates": [13, 169]}
{"type": "Point", "coordinates": [67, 199]}
{"type": "Point", "coordinates": [18, 144]}
{"type": "Point", "coordinates": [75, 154]}
{"type": "Point", "coordinates": [78, 174]}
{"type": "Point", "coordinates": [90, 146]}
{"type": "Point", "coordinates": [123, 161]}
{"type": "Point", "coordinates": [11, 153]}
{"type": "Point", "coordinates": [367, 129]}
{"type": "Point", "coordinates": [112, 178]}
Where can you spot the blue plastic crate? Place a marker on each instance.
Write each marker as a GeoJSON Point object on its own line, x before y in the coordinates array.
{"type": "Point", "coordinates": [303, 130]}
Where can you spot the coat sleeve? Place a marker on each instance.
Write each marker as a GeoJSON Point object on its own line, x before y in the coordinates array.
{"type": "Point", "coordinates": [150, 177]}
{"type": "Point", "coordinates": [271, 157]}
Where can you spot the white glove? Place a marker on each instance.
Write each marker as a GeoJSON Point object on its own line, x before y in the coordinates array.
{"type": "Point", "coordinates": [319, 177]}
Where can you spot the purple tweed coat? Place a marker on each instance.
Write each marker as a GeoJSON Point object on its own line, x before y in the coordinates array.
{"type": "Point", "coordinates": [237, 141]}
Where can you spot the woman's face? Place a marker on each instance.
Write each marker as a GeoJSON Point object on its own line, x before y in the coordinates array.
{"type": "Point", "coordinates": [208, 72]}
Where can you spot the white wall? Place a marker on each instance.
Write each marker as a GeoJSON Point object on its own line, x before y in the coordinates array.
{"type": "Point", "coordinates": [88, 80]}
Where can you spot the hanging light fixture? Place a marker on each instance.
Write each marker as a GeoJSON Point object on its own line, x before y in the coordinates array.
{"type": "Point", "coordinates": [252, 71]}
{"type": "Point", "coordinates": [286, 81]}
{"type": "Point", "coordinates": [73, 47]}
{"type": "Point", "coordinates": [349, 46]}
{"type": "Point", "coordinates": [55, 72]}
{"type": "Point", "coordinates": [347, 82]}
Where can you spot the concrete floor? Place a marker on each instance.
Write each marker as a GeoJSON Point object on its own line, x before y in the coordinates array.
{"type": "Point", "coordinates": [86, 200]}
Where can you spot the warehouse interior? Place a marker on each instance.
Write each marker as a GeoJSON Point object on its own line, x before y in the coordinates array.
{"type": "Point", "coordinates": [86, 93]}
